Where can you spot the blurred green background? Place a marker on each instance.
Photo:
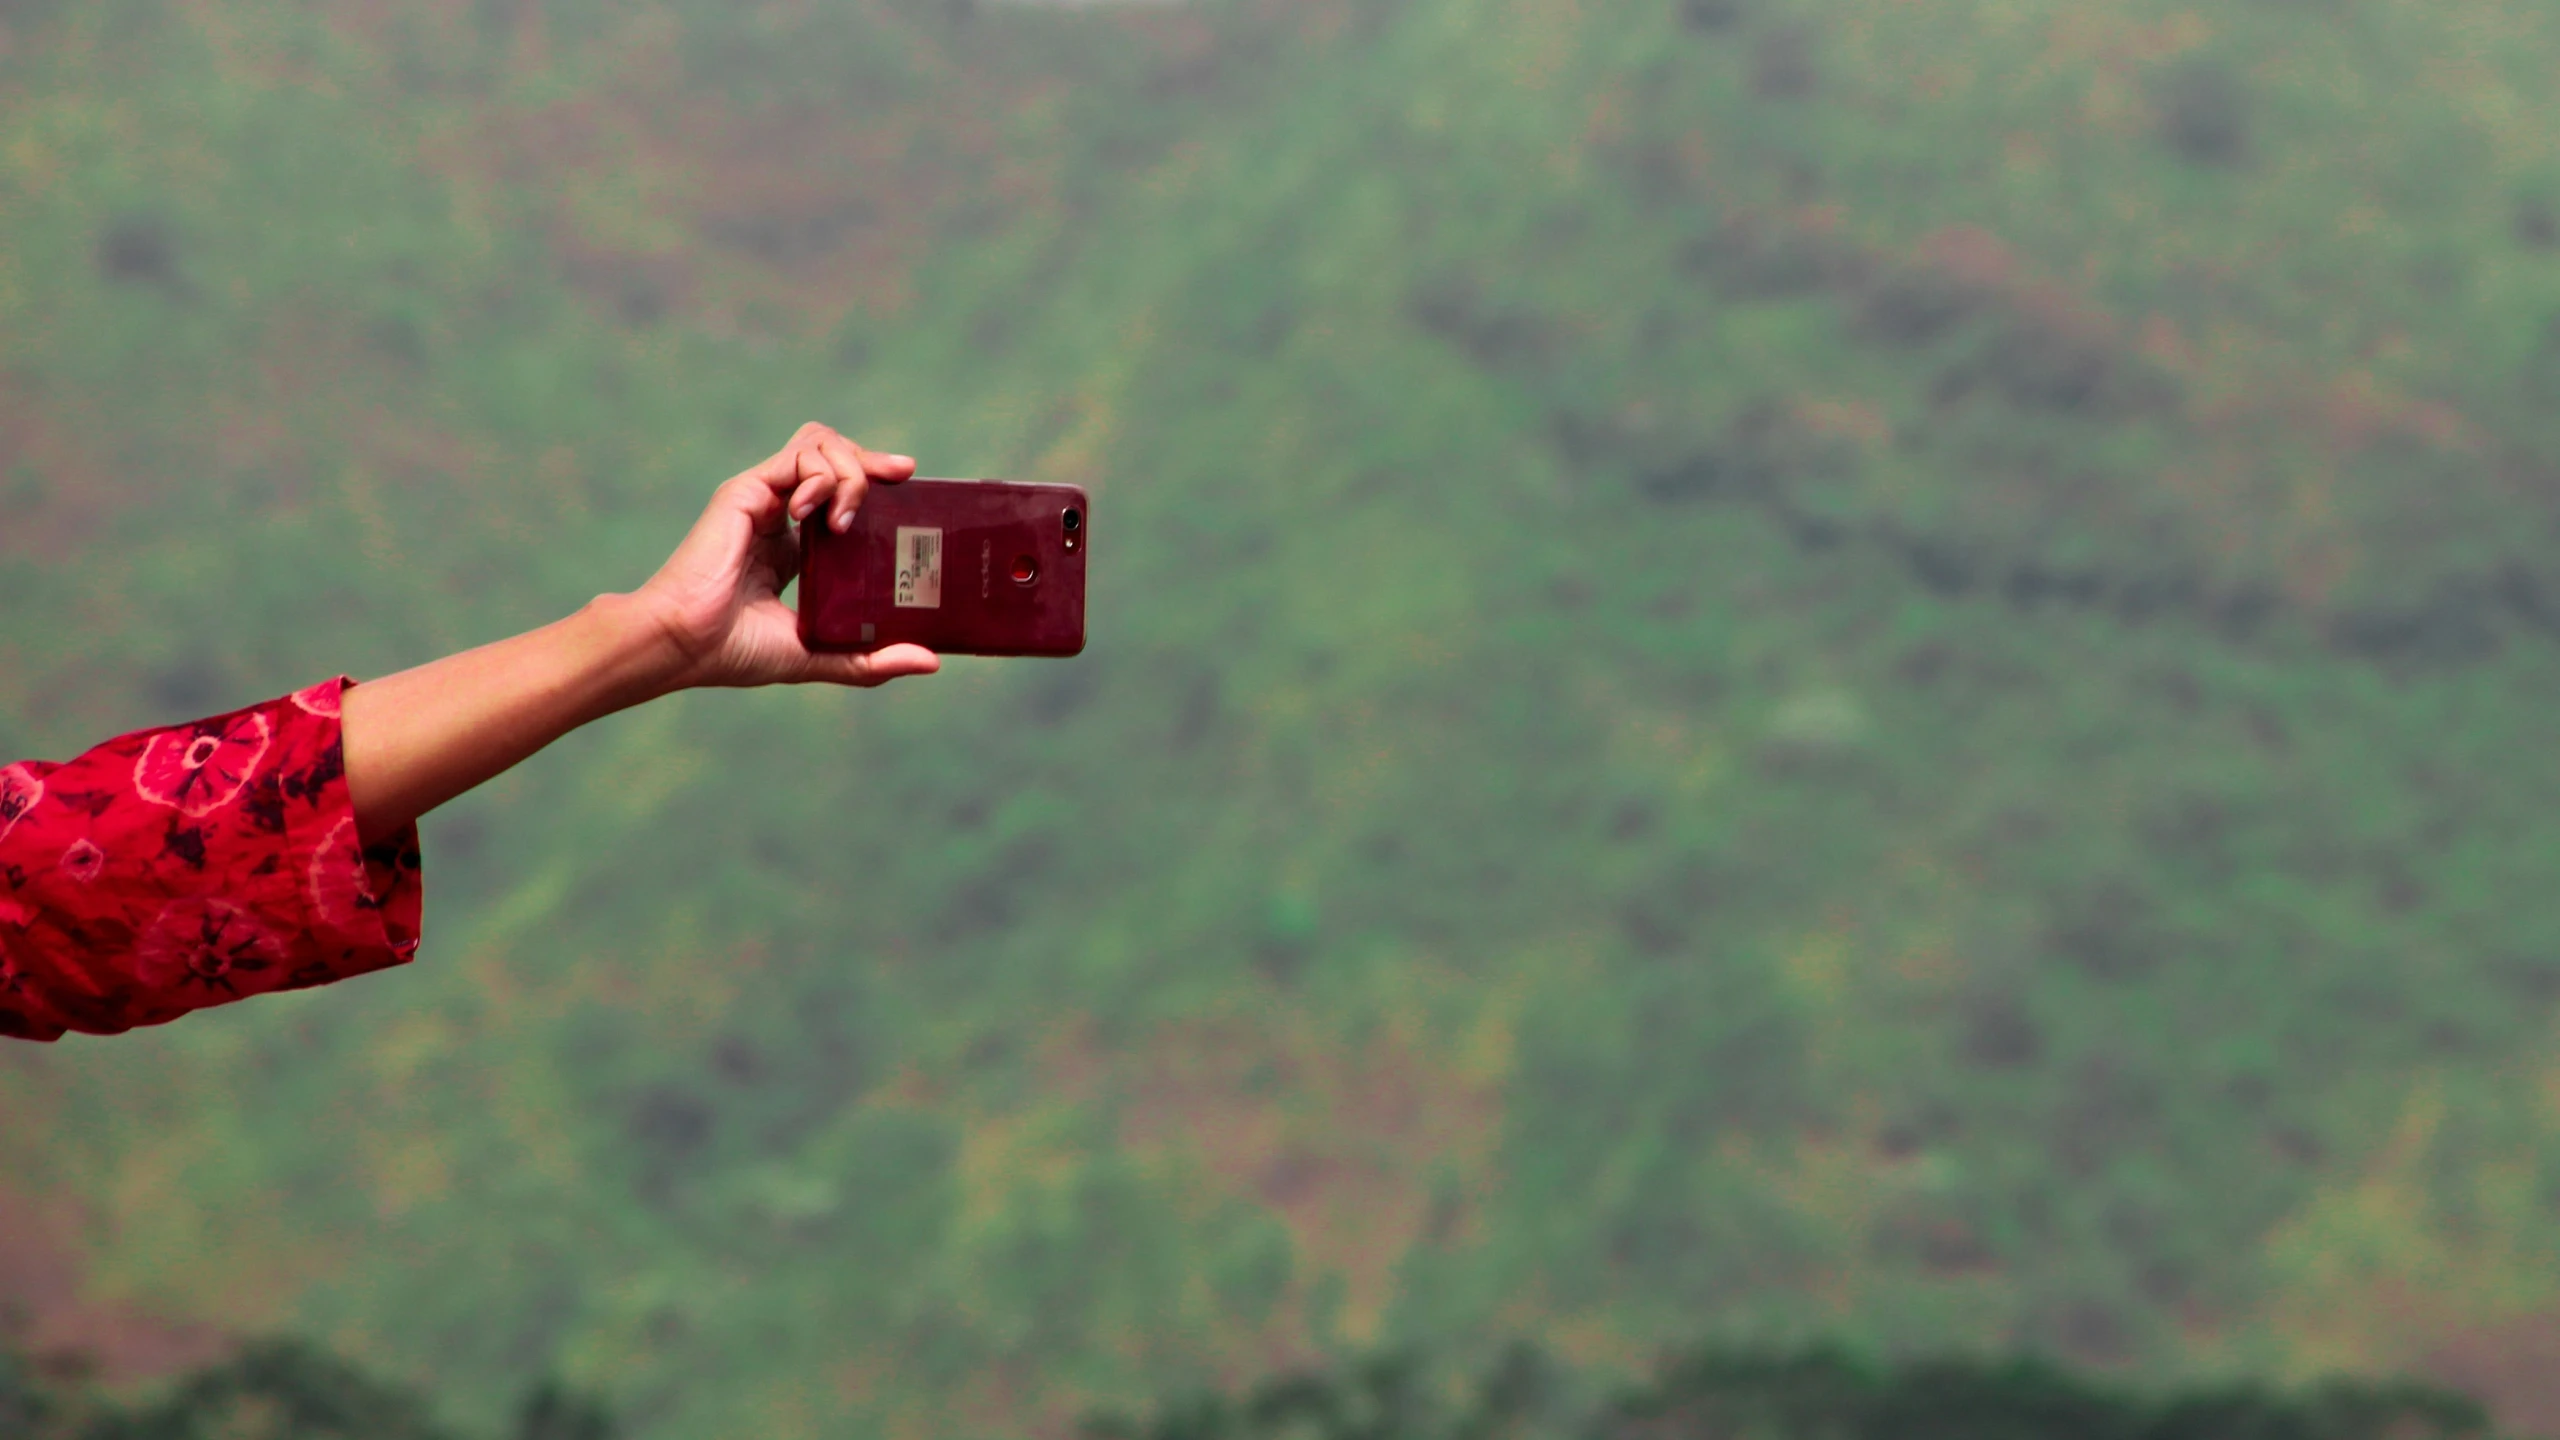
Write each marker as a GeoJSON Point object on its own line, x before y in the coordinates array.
{"type": "Point", "coordinates": [1764, 671]}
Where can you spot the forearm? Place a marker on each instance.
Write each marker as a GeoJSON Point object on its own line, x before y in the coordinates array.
{"type": "Point", "coordinates": [419, 738]}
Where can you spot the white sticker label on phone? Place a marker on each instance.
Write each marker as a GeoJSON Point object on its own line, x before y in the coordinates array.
{"type": "Point", "coordinates": [919, 568]}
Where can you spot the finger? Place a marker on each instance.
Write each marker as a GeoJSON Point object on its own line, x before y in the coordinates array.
{"type": "Point", "coordinates": [875, 465]}
{"type": "Point", "coordinates": [877, 667]}
{"type": "Point", "coordinates": [754, 502]}
{"type": "Point", "coordinates": [851, 467]}
{"type": "Point", "coordinates": [820, 477]}
{"type": "Point", "coordinates": [743, 496]}
{"type": "Point", "coordinates": [781, 469]}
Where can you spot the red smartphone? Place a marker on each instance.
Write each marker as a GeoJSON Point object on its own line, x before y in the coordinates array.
{"type": "Point", "coordinates": [965, 567]}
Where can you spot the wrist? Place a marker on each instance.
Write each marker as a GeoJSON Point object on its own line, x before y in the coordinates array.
{"type": "Point", "coordinates": [638, 656]}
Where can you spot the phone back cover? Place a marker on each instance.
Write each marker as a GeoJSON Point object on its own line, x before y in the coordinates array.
{"type": "Point", "coordinates": [938, 562]}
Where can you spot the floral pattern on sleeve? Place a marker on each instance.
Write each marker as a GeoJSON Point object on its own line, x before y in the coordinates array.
{"type": "Point", "coordinates": [168, 870]}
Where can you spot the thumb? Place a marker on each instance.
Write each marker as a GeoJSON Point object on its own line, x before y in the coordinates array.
{"type": "Point", "coordinates": [876, 667]}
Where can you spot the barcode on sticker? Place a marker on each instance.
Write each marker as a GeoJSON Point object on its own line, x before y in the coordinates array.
{"type": "Point", "coordinates": [919, 568]}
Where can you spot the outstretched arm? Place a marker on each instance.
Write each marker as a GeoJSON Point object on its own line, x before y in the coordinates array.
{"type": "Point", "coordinates": [712, 615]}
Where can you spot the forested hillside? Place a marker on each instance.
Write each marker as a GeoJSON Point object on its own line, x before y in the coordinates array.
{"type": "Point", "coordinates": [1763, 671]}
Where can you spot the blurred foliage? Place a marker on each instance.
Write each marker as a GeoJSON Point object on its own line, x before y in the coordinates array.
{"type": "Point", "coordinates": [272, 1390]}
{"type": "Point", "coordinates": [289, 1391]}
{"type": "Point", "coordinates": [1763, 669]}
{"type": "Point", "coordinates": [1816, 1395]}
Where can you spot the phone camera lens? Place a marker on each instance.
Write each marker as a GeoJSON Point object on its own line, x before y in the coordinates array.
{"type": "Point", "coordinates": [1073, 520]}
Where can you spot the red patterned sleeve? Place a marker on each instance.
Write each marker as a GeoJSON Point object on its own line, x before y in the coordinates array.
{"type": "Point", "coordinates": [168, 870]}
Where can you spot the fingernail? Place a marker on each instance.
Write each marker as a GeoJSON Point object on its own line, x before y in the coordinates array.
{"type": "Point", "coordinates": [903, 459]}
{"type": "Point", "coordinates": [843, 521]}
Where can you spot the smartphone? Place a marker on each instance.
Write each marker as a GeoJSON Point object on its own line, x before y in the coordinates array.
{"type": "Point", "coordinates": [964, 567]}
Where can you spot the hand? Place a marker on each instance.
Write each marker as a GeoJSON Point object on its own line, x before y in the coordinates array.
{"type": "Point", "coordinates": [718, 599]}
